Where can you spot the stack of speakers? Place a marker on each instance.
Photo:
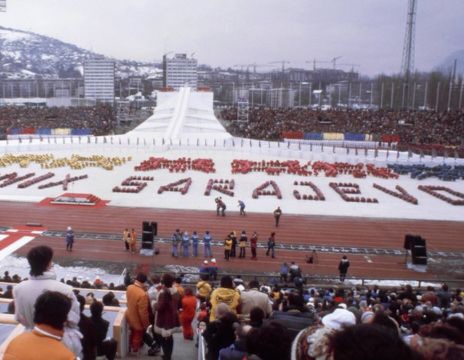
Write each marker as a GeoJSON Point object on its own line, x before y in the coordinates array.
{"type": "Point", "coordinates": [149, 231]}
{"type": "Point", "coordinates": [417, 245]}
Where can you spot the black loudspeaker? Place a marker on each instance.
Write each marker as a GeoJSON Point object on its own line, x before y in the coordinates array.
{"type": "Point", "coordinates": [147, 240]}
{"type": "Point", "coordinates": [154, 227]}
{"type": "Point", "coordinates": [146, 226]}
{"type": "Point", "coordinates": [408, 240]}
{"type": "Point", "coordinates": [419, 251]}
{"type": "Point", "coordinates": [147, 236]}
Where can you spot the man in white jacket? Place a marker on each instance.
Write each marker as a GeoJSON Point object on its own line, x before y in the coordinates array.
{"type": "Point", "coordinates": [42, 279]}
{"type": "Point", "coordinates": [254, 298]}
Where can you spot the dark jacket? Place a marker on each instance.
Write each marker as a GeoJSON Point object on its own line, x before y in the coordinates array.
{"type": "Point", "coordinates": [89, 341]}
{"type": "Point", "coordinates": [167, 312]}
{"type": "Point", "coordinates": [219, 334]}
{"type": "Point", "coordinates": [293, 320]}
{"type": "Point", "coordinates": [343, 266]}
{"type": "Point", "coordinates": [236, 351]}
{"type": "Point", "coordinates": [101, 328]}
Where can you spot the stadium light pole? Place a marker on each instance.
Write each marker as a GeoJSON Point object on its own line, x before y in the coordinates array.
{"type": "Point", "coordinates": [392, 95]}
{"type": "Point", "coordinates": [449, 94]}
{"type": "Point", "coordinates": [425, 94]}
{"type": "Point", "coordinates": [438, 96]}
{"type": "Point", "coordinates": [381, 96]}
{"type": "Point", "coordinates": [349, 95]}
{"type": "Point", "coordinates": [301, 83]}
{"type": "Point", "coordinates": [310, 94]}
{"type": "Point", "coordinates": [460, 95]}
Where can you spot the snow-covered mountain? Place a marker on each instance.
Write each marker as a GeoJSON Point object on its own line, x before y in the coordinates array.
{"type": "Point", "coordinates": [26, 54]}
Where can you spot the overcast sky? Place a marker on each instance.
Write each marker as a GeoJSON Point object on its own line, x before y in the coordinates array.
{"type": "Point", "coordinates": [229, 32]}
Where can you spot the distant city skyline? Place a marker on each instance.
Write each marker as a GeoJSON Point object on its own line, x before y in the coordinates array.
{"type": "Point", "coordinates": [240, 32]}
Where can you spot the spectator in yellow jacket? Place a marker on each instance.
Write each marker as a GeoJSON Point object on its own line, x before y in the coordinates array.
{"type": "Point", "coordinates": [224, 294]}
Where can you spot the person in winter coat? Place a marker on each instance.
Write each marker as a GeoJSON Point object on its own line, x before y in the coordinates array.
{"type": "Point", "coordinates": [195, 241]}
{"type": "Point", "coordinates": [137, 315]}
{"type": "Point", "coordinates": [126, 238]}
{"type": "Point", "coordinates": [254, 245]}
{"type": "Point", "coordinates": [69, 238]}
{"type": "Point", "coordinates": [227, 248]}
{"type": "Point", "coordinates": [43, 341]}
{"type": "Point", "coordinates": [238, 350]}
{"type": "Point", "coordinates": [203, 289]}
{"type": "Point", "coordinates": [277, 215]}
{"type": "Point", "coordinates": [185, 244]}
{"type": "Point", "coordinates": [224, 294]}
{"type": "Point", "coordinates": [242, 244]}
{"type": "Point", "coordinates": [241, 206]}
{"type": "Point", "coordinates": [167, 322]}
{"type": "Point", "coordinates": [189, 305]}
{"type": "Point", "coordinates": [296, 316]}
{"type": "Point", "coordinates": [233, 237]}
{"type": "Point", "coordinates": [207, 239]}
{"type": "Point", "coordinates": [133, 241]}
{"type": "Point", "coordinates": [176, 238]}
{"type": "Point", "coordinates": [42, 279]}
{"type": "Point", "coordinates": [271, 245]}
{"type": "Point", "coordinates": [343, 267]}
{"type": "Point", "coordinates": [252, 298]}
{"type": "Point", "coordinates": [220, 333]}
{"type": "Point", "coordinates": [105, 347]}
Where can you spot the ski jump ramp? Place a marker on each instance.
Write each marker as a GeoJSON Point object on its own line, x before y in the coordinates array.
{"type": "Point", "coordinates": [184, 114]}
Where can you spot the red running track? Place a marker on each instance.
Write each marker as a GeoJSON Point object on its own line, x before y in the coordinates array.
{"type": "Point", "coordinates": [296, 229]}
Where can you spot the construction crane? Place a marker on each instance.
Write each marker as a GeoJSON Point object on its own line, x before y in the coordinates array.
{"type": "Point", "coordinates": [334, 61]}
{"type": "Point", "coordinates": [283, 62]}
{"type": "Point", "coordinates": [255, 65]}
{"type": "Point", "coordinates": [314, 62]}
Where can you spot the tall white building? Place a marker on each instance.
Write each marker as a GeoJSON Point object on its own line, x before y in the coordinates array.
{"type": "Point", "coordinates": [99, 79]}
{"type": "Point", "coordinates": [180, 71]}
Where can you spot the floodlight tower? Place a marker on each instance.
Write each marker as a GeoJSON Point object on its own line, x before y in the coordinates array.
{"type": "Point", "coordinates": [407, 65]}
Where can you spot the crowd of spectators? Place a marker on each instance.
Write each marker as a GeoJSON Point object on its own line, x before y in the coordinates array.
{"type": "Point", "coordinates": [260, 322]}
{"type": "Point", "coordinates": [293, 320]}
{"type": "Point", "coordinates": [417, 127]}
{"type": "Point", "coordinates": [100, 118]}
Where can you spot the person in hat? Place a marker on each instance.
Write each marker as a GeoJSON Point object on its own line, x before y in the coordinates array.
{"type": "Point", "coordinates": [69, 238]}
{"type": "Point", "coordinates": [204, 269]}
{"type": "Point", "coordinates": [213, 270]}
{"type": "Point", "coordinates": [314, 341]}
